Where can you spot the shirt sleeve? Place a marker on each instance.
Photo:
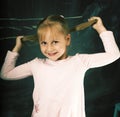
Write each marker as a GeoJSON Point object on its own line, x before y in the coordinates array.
{"type": "Point", "coordinates": [111, 53]}
{"type": "Point", "coordinates": [10, 72]}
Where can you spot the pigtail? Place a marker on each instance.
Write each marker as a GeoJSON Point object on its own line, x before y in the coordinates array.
{"type": "Point", "coordinates": [31, 38]}
{"type": "Point", "coordinates": [82, 26]}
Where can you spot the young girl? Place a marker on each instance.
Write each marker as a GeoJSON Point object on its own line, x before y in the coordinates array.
{"type": "Point", "coordinates": [58, 78]}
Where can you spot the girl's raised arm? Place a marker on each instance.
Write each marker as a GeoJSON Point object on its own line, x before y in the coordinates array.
{"type": "Point", "coordinates": [111, 53]}
{"type": "Point", "coordinates": [9, 71]}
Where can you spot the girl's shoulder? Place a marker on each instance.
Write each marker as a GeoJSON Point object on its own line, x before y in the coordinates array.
{"type": "Point", "coordinates": [81, 55]}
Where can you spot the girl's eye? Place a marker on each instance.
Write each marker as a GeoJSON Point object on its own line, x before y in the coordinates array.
{"type": "Point", "coordinates": [54, 42]}
{"type": "Point", "coordinates": [43, 43]}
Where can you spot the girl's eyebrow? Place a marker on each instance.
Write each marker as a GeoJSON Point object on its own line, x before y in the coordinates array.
{"type": "Point", "coordinates": [55, 41]}
{"type": "Point", "coordinates": [42, 41]}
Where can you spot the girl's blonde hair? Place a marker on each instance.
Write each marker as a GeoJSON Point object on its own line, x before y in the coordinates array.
{"type": "Point", "coordinates": [54, 20]}
{"type": "Point", "coordinates": [54, 23]}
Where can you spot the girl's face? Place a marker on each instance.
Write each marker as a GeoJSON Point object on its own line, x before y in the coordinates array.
{"type": "Point", "coordinates": [54, 45]}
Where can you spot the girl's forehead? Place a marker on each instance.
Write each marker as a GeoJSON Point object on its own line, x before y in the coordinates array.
{"type": "Point", "coordinates": [48, 33]}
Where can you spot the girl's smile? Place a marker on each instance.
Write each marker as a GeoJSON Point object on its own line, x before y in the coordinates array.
{"type": "Point", "coordinates": [52, 54]}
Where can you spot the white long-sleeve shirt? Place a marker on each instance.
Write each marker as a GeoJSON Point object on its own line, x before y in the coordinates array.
{"type": "Point", "coordinates": [58, 85]}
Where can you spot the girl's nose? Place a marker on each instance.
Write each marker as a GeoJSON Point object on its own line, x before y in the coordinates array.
{"type": "Point", "coordinates": [49, 48]}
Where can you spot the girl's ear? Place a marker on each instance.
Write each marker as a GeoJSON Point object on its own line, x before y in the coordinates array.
{"type": "Point", "coordinates": [68, 39]}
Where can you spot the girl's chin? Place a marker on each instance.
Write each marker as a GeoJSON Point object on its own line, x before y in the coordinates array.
{"type": "Point", "coordinates": [53, 58]}
{"type": "Point", "coordinates": [56, 57]}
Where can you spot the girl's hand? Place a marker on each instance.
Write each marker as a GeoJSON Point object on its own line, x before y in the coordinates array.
{"type": "Point", "coordinates": [18, 44]}
{"type": "Point", "coordinates": [98, 26]}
